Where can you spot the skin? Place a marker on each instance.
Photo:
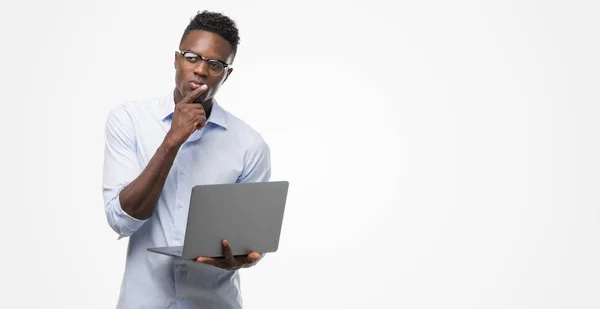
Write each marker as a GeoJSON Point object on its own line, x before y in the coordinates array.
{"type": "Point", "coordinates": [192, 108]}
{"type": "Point", "coordinates": [208, 45]}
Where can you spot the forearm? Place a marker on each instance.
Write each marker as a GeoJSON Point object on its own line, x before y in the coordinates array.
{"type": "Point", "coordinates": [139, 198]}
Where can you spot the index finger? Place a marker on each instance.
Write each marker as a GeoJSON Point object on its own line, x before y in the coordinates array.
{"type": "Point", "coordinates": [190, 97]}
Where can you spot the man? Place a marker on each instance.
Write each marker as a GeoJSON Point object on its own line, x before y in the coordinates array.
{"type": "Point", "coordinates": [156, 151]}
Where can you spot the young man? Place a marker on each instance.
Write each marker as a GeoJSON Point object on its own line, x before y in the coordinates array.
{"type": "Point", "coordinates": [156, 151]}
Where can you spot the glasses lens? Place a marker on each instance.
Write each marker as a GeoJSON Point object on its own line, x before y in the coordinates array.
{"type": "Point", "coordinates": [215, 67]}
{"type": "Point", "coordinates": [191, 57]}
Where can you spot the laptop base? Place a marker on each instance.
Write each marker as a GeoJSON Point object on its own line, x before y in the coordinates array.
{"type": "Point", "coordinates": [175, 251]}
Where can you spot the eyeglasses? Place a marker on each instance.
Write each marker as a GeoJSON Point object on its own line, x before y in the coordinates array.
{"type": "Point", "coordinates": [214, 66]}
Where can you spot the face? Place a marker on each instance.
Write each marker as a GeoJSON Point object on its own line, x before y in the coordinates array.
{"type": "Point", "coordinates": [192, 71]}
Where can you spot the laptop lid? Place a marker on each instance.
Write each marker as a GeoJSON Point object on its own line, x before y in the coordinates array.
{"type": "Point", "coordinates": [248, 215]}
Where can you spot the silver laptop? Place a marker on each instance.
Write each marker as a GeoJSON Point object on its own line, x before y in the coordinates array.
{"type": "Point", "coordinates": [248, 215]}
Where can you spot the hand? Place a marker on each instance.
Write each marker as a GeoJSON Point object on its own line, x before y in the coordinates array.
{"type": "Point", "coordinates": [188, 117]}
{"type": "Point", "coordinates": [231, 262]}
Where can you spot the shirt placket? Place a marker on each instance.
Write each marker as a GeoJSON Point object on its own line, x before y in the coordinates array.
{"type": "Point", "coordinates": [181, 183]}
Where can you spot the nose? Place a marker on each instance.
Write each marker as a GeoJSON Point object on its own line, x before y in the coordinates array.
{"type": "Point", "coordinates": [201, 68]}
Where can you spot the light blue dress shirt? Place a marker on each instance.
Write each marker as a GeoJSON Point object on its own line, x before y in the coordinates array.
{"type": "Point", "coordinates": [226, 150]}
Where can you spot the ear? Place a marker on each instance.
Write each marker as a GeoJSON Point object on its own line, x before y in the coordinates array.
{"type": "Point", "coordinates": [229, 70]}
{"type": "Point", "coordinates": [175, 60]}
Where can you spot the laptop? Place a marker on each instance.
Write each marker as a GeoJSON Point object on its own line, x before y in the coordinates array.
{"type": "Point", "coordinates": [248, 215]}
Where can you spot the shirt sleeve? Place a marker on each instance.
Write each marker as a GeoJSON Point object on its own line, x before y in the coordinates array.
{"type": "Point", "coordinates": [257, 166]}
{"type": "Point", "coordinates": [120, 168]}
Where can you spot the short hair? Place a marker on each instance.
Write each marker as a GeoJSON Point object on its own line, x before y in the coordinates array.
{"type": "Point", "coordinates": [216, 23]}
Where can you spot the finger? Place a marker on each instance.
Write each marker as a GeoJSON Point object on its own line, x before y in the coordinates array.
{"type": "Point", "coordinates": [217, 262]}
{"type": "Point", "coordinates": [190, 97]}
{"type": "Point", "coordinates": [251, 259]}
{"type": "Point", "coordinates": [251, 255]}
{"type": "Point", "coordinates": [227, 250]}
{"type": "Point", "coordinates": [254, 257]}
{"type": "Point", "coordinates": [199, 119]}
{"type": "Point", "coordinates": [195, 115]}
{"type": "Point", "coordinates": [206, 260]}
{"type": "Point", "coordinates": [193, 109]}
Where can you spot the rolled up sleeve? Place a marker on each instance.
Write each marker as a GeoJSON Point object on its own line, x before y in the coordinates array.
{"type": "Point", "coordinates": [121, 166]}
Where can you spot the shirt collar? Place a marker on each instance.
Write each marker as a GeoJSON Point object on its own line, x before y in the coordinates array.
{"type": "Point", "coordinates": [218, 115]}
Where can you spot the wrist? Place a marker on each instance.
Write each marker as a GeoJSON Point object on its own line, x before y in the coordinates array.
{"type": "Point", "coordinates": [171, 144]}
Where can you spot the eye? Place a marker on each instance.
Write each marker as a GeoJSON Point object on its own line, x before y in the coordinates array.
{"type": "Point", "coordinates": [215, 65]}
{"type": "Point", "coordinates": [191, 57]}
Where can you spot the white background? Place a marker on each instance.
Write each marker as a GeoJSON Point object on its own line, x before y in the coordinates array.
{"type": "Point", "coordinates": [441, 154]}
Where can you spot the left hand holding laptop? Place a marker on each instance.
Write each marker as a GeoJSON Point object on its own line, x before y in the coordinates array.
{"type": "Point", "coordinates": [229, 261]}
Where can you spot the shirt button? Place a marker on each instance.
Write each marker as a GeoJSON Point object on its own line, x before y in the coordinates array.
{"type": "Point", "coordinates": [184, 172]}
{"type": "Point", "coordinates": [179, 205]}
{"type": "Point", "coordinates": [180, 298]}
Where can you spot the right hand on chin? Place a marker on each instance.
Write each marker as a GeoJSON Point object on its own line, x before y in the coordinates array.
{"type": "Point", "coordinates": [188, 117]}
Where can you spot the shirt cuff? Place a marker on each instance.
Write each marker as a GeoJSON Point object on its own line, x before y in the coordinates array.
{"type": "Point", "coordinates": [128, 224]}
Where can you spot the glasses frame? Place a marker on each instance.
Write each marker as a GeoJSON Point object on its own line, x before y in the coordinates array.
{"type": "Point", "coordinates": [184, 52]}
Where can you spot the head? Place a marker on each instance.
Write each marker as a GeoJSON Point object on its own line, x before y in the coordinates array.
{"type": "Point", "coordinates": [211, 36]}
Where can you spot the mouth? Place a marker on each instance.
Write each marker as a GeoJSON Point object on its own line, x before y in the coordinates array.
{"type": "Point", "coordinates": [195, 84]}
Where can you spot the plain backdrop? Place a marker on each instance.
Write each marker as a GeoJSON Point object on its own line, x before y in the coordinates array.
{"type": "Point", "coordinates": [441, 154]}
